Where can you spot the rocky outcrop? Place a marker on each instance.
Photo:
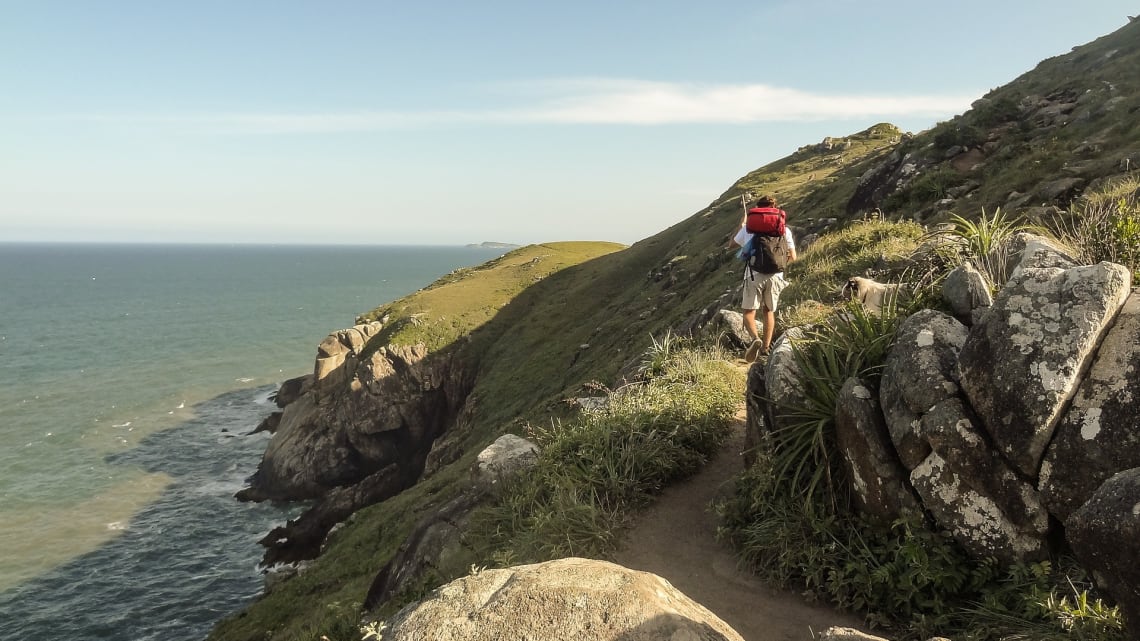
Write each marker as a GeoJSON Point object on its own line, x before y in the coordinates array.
{"type": "Point", "coordinates": [436, 546]}
{"type": "Point", "coordinates": [1105, 536]}
{"type": "Point", "coordinates": [967, 292]}
{"type": "Point", "coordinates": [1100, 434]}
{"type": "Point", "coordinates": [1047, 373]}
{"type": "Point", "coordinates": [919, 373]}
{"type": "Point", "coordinates": [565, 599]}
{"type": "Point", "coordinates": [375, 410]}
{"type": "Point", "coordinates": [1021, 365]}
{"type": "Point", "coordinates": [359, 432]}
{"type": "Point", "coordinates": [873, 470]}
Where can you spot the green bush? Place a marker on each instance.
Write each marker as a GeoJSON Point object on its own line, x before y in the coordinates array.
{"type": "Point", "coordinates": [902, 575]}
{"type": "Point", "coordinates": [853, 342]}
{"type": "Point", "coordinates": [1105, 225]}
{"type": "Point", "coordinates": [594, 471]}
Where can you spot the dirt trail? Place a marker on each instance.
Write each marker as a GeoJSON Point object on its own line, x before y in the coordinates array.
{"type": "Point", "coordinates": [676, 539]}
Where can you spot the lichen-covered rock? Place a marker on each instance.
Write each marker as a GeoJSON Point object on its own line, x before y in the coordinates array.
{"type": "Point", "coordinates": [1021, 364]}
{"type": "Point", "coordinates": [568, 598]}
{"type": "Point", "coordinates": [1105, 536]}
{"type": "Point", "coordinates": [953, 432]}
{"type": "Point", "coordinates": [967, 292]}
{"type": "Point", "coordinates": [782, 373]}
{"type": "Point", "coordinates": [879, 482]}
{"type": "Point", "coordinates": [920, 371]}
{"type": "Point", "coordinates": [975, 520]}
{"type": "Point", "coordinates": [1026, 250]}
{"type": "Point", "coordinates": [1100, 434]}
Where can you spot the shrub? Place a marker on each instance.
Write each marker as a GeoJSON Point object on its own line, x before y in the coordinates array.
{"type": "Point", "coordinates": [1105, 225]}
{"type": "Point", "coordinates": [593, 471]}
{"type": "Point", "coordinates": [851, 343]}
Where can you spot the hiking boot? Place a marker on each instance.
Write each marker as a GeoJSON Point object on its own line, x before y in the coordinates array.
{"type": "Point", "coordinates": [754, 350]}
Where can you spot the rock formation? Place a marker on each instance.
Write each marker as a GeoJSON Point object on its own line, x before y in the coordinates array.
{"type": "Point", "coordinates": [1001, 431]}
{"type": "Point", "coordinates": [356, 432]}
{"type": "Point", "coordinates": [569, 598]}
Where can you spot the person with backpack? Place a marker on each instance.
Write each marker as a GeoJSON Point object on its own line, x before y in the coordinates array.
{"type": "Point", "coordinates": [766, 247]}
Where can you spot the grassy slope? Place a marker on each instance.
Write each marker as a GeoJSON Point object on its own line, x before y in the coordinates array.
{"type": "Point", "coordinates": [587, 310]}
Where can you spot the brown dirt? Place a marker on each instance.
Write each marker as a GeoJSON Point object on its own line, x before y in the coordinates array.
{"type": "Point", "coordinates": [676, 540]}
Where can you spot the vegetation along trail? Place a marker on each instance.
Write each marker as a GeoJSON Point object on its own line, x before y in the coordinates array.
{"type": "Point", "coordinates": [676, 539]}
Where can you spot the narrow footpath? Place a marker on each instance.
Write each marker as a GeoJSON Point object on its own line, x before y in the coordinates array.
{"type": "Point", "coordinates": [676, 539]}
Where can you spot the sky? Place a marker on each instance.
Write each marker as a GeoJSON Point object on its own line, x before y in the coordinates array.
{"type": "Point", "coordinates": [448, 122]}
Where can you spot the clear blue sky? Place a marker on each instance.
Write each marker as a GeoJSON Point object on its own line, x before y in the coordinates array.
{"type": "Point", "coordinates": [454, 122]}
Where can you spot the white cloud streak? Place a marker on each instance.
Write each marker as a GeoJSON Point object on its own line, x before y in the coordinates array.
{"type": "Point", "coordinates": [593, 102]}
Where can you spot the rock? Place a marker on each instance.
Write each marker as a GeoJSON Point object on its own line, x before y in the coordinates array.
{"type": "Point", "coordinates": [920, 371]}
{"type": "Point", "coordinates": [435, 548]}
{"type": "Point", "coordinates": [508, 455]}
{"type": "Point", "coordinates": [269, 423]}
{"type": "Point", "coordinates": [728, 325]}
{"type": "Point", "coordinates": [847, 634]}
{"type": "Point", "coordinates": [782, 374]}
{"type": "Point", "coordinates": [1021, 364]}
{"type": "Point", "coordinates": [1100, 434]}
{"type": "Point", "coordinates": [1026, 251]}
{"type": "Point", "coordinates": [974, 520]}
{"type": "Point", "coordinates": [389, 409]}
{"type": "Point", "coordinates": [967, 292]}
{"type": "Point", "coordinates": [1061, 189]}
{"type": "Point", "coordinates": [954, 433]}
{"type": "Point", "coordinates": [291, 390]}
{"type": "Point", "coordinates": [759, 412]}
{"type": "Point", "coordinates": [1105, 537]}
{"type": "Point", "coordinates": [879, 482]}
{"type": "Point", "coordinates": [569, 598]}
{"type": "Point", "coordinates": [300, 539]}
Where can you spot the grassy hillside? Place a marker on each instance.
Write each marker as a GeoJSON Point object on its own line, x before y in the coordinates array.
{"type": "Point", "coordinates": [550, 322]}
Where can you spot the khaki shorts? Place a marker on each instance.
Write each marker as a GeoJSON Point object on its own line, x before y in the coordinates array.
{"type": "Point", "coordinates": [762, 287]}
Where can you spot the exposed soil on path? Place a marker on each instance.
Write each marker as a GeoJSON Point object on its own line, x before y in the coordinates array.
{"type": "Point", "coordinates": [676, 540]}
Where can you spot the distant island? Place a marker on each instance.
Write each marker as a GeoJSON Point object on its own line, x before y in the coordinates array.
{"type": "Point", "coordinates": [492, 245]}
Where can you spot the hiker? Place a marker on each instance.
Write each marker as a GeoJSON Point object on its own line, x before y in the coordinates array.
{"type": "Point", "coordinates": [764, 270]}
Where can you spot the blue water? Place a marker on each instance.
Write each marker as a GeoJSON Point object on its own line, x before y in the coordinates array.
{"type": "Point", "coordinates": [130, 378]}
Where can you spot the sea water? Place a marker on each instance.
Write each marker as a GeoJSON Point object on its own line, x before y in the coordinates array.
{"type": "Point", "coordinates": [131, 377]}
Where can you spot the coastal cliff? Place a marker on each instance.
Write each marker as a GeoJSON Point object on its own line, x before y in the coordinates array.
{"type": "Point", "coordinates": [401, 404]}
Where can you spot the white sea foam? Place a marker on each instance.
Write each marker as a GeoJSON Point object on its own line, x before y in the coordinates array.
{"type": "Point", "coordinates": [127, 424]}
{"type": "Point", "coordinates": [116, 526]}
{"type": "Point", "coordinates": [244, 380]}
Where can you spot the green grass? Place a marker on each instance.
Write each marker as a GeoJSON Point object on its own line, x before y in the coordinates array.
{"type": "Point", "coordinates": [594, 471]}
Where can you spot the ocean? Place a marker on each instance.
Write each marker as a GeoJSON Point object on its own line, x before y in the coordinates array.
{"type": "Point", "coordinates": [131, 377]}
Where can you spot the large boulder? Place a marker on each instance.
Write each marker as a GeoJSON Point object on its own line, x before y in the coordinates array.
{"type": "Point", "coordinates": [920, 372]}
{"type": "Point", "coordinates": [1100, 434]}
{"type": "Point", "coordinates": [508, 455]}
{"type": "Point", "coordinates": [1025, 250]}
{"type": "Point", "coordinates": [967, 292]}
{"type": "Point", "coordinates": [1105, 536]}
{"type": "Point", "coordinates": [972, 466]}
{"type": "Point", "coordinates": [782, 372]}
{"type": "Point", "coordinates": [728, 326]}
{"type": "Point", "coordinates": [1021, 364]}
{"type": "Point", "coordinates": [975, 520]}
{"type": "Point", "coordinates": [569, 598]}
{"type": "Point", "coordinates": [879, 482]}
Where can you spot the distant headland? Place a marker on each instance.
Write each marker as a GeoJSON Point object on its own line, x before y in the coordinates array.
{"type": "Point", "coordinates": [493, 245]}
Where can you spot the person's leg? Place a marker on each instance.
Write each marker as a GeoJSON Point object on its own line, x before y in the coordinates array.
{"type": "Point", "coordinates": [750, 323]}
{"type": "Point", "coordinates": [770, 298]}
{"type": "Point", "coordinates": [769, 329]}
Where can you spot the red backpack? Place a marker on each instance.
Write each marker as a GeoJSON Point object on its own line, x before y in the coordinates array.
{"type": "Point", "coordinates": [768, 221]}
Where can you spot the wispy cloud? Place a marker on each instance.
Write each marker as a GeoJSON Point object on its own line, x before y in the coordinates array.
{"type": "Point", "coordinates": [593, 102]}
